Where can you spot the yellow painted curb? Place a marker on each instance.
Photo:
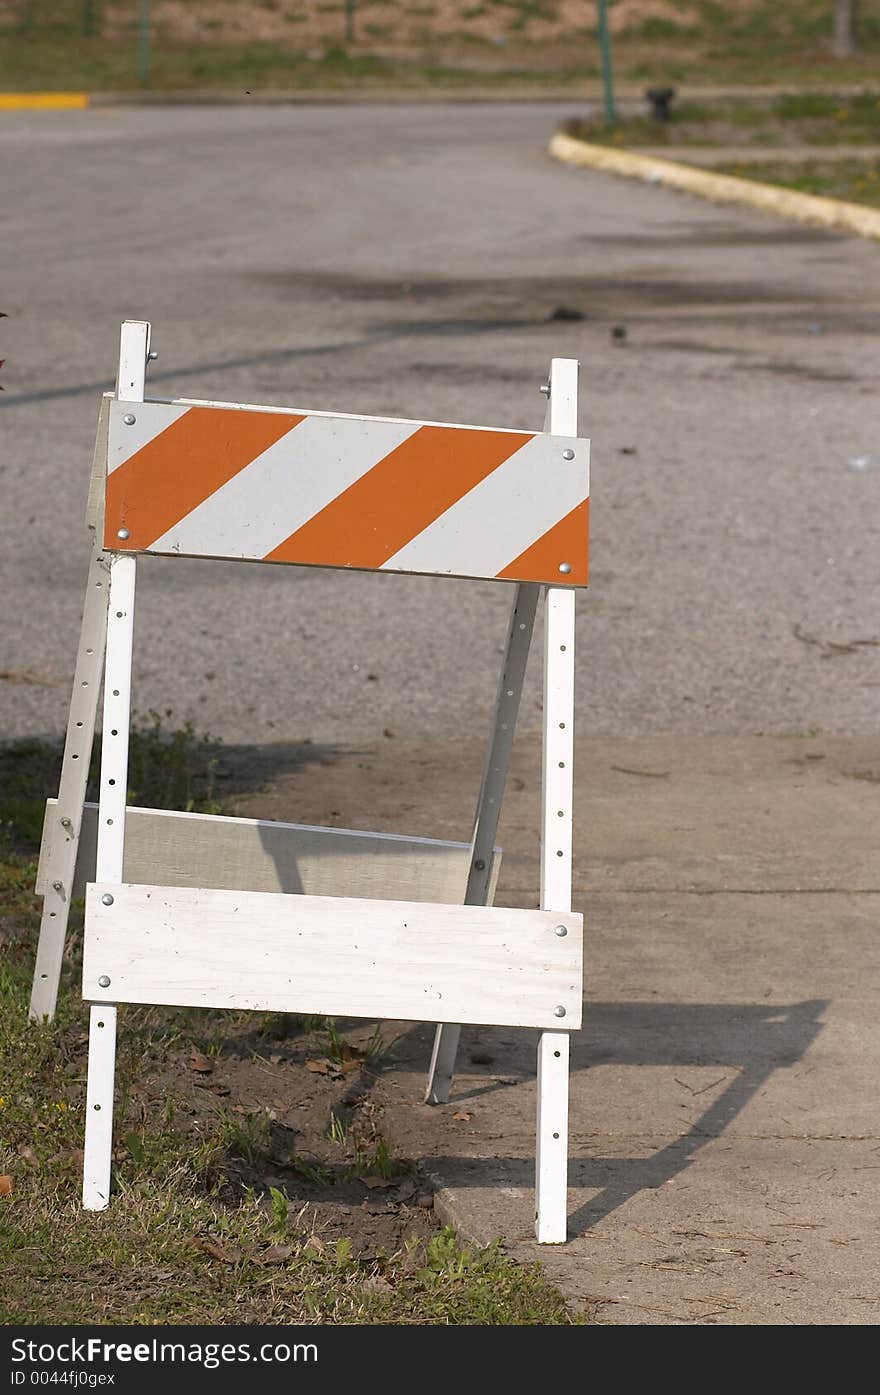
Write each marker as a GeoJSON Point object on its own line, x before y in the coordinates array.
{"type": "Point", "coordinates": [42, 101]}
{"type": "Point", "coordinates": [721, 188]}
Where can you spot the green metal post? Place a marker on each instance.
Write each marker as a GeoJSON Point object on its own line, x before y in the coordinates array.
{"type": "Point", "coordinates": [144, 44]}
{"type": "Point", "coordinates": [607, 70]}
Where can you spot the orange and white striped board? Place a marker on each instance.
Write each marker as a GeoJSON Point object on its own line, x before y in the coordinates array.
{"type": "Point", "coordinates": [264, 484]}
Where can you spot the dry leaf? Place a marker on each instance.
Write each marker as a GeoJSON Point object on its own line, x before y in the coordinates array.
{"type": "Point", "coordinates": [216, 1250]}
{"type": "Point", "coordinates": [29, 1156]}
{"type": "Point", "coordinates": [462, 1114]}
{"type": "Point", "coordinates": [375, 1182]}
{"type": "Point", "coordinates": [199, 1062]}
{"type": "Point", "coordinates": [321, 1067]}
{"type": "Point", "coordinates": [276, 1254]}
{"type": "Point", "coordinates": [5, 1184]}
{"type": "Point", "coordinates": [316, 1243]}
{"type": "Point", "coordinates": [376, 1284]}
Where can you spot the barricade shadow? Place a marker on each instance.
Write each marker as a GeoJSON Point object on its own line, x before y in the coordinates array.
{"type": "Point", "coordinates": [754, 1040]}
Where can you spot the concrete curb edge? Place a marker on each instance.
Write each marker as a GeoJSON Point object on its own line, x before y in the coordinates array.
{"type": "Point", "coordinates": [720, 188]}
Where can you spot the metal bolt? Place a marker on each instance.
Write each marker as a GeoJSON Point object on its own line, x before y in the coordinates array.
{"type": "Point", "coordinates": [67, 823]}
{"type": "Point", "coordinates": [545, 388]}
{"type": "Point", "coordinates": [565, 567]}
{"type": "Point", "coordinates": [479, 864]}
{"type": "Point", "coordinates": [122, 533]}
{"type": "Point", "coordinates": [129, 419]}
{"type": "Point", "coordinates": [561, 931]}
{"type": "Point", "coordinates": [58, 886]}
{"type": "Point", "coordinates": [557, 1012]}
{"type": "Point", "coordinates": [107, 899]}
{"type": "Point", "coordinates": [152, 356]}
{"type": "Point", "coordinates": [568, 455]}
{"type": "Point", "coordinates": [103, 981]}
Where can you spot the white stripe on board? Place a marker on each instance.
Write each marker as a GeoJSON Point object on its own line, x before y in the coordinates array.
{"type": "Point", "coordinates": [283, 488]}
{"type": "Point", "coordinates": [508, 511]}
{"type": "Point", "coordinates": [126, 440]}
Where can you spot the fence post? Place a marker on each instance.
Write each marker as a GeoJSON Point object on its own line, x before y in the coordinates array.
{"type": "Point", "coordinates": [144, 44]}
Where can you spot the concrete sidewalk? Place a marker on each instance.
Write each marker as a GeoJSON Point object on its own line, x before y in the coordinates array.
{"type": "Point", "coordinates": [725, 1139]}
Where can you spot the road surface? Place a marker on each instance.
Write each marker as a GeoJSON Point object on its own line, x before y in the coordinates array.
{"type": "Point", "coordinates": [410, 261]}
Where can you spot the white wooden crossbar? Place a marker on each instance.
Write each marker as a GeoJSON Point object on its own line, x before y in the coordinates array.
{"type": "Point", "coordinates": [332, 956]}
{"type": "Point", "coordinates": [170, 848]}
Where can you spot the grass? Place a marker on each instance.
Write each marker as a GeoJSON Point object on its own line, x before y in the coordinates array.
{"type": "Point", "coordinates": [811, 120]}
{"type": "Point", "coordinates": [699, 41]}
{"type": "Point", "coordinates": [194, 1234]}
{"type": "Point", "coordinates": [806, 118]}
{"type": "Point", "coordinates": [857, 181]}
{"type": "Point", "coordinates": [76, 64]}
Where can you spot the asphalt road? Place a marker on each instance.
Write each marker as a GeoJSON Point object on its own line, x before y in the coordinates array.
{"type": "Point", "coordinates": [409, 261]}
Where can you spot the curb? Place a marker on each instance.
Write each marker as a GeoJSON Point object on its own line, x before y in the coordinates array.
{"type": "Point", "coordinates": [43, 101]}
{"type": "Point", "coordinates": [720, 188]}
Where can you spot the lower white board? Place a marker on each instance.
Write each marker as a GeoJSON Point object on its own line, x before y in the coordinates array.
{"type": "Point", "coordinates": [325, 955]}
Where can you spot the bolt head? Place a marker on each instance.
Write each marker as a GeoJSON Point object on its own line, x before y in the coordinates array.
{"type": "Point", "coordinates": [561, 931]}
{"type": "Point", "coordinates": [67, 823]}
{"type": "Point", "coordinates": [129, 419]}
{"type": "Point", "coordinates": [557, 1012]}
{"type": "Point", "coordinates": [103, 981]}
{"type": "Point", "coordinates": [152, 356]}
{"type": "Point", "coordinates": [107, 899]}
{"type": "Point", "coordinates": [479, 864]}
{"type": "Point", "coordinates": [545, 388]}
{"type": "Point", "coordinates": [568, 455]}
{"type": "Point", "coordinates": [565, 568]}
{"type": "Point", "coordinates": [123, 533]}
{"type": "Point", "coordinates": [58, 886]}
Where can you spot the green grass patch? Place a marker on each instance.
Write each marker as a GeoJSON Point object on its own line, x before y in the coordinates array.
{"type": "Point", "coordinates": [198, 1231]}
{"type": "Point", "coordinates": [857, 181]}
{"type": "Point", "coordinates": [806, 118]}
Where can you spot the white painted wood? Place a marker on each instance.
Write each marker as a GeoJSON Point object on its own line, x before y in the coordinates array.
{"type": "Point", "coordinates": [557, 791]}
{"type": "Point", "coordinates": [516, 653]}
{"type": "Point", "coordinates": [134, 348]}
{"type": "Point", "coordinates": [98, 476]}
{"type": "Point", "coordinates": [61, 829]}
{"type": "Point", "coordinates": [111, 843]}
{"type": "Point", "coordinates": [338, 956]}
{"type": "Point", "coordinates": [561, 412]}
{"type": "Point", "coordinates": [134, 351]}
{"type": "Point", "coordinates": [170, 848]}
{"type": "Point", "coordinates": [558, 750]}
{"type": "Point", "coordinates": [551, 1144]}
{"type": "Point", "coordinates": [310, 412]}
{"type": "Point", "coordinates": [117, 711]}
{"type": "Point", "coordinates": [99, 1107]}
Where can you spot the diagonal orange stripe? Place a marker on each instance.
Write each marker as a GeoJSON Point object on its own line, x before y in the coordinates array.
{"type": "Point", "coordinates": [398, 498]}
{"type": "Point", "coordinates": [567, 541]}
{"type": "Point", "coordinates": [182, 466]}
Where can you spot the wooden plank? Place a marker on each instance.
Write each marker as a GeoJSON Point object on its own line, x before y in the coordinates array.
{"type": "Point", "coordinates": [167, 848]}
{"type": "Point", "coordinates": [403, 960]}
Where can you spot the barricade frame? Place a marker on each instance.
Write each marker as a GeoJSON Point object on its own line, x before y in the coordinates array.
{"type": "Point", "coordinates": [106, 641]}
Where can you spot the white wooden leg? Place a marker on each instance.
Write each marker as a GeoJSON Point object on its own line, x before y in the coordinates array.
{"type": "Point", "coordinates": [134, 348]}
{"type": "Point", "coordinates": [57, 875]}
{"type": "Point", "coordinates": [551, 1155]}
{"type": "Point", "coordinates": [557, 795]}
{"type": "Point", "coordinates": [442, 1068]}
{"type": "Point", "coordinates": [99, 1108]}
{"type": "Point", "coordinates": [516, 654]}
